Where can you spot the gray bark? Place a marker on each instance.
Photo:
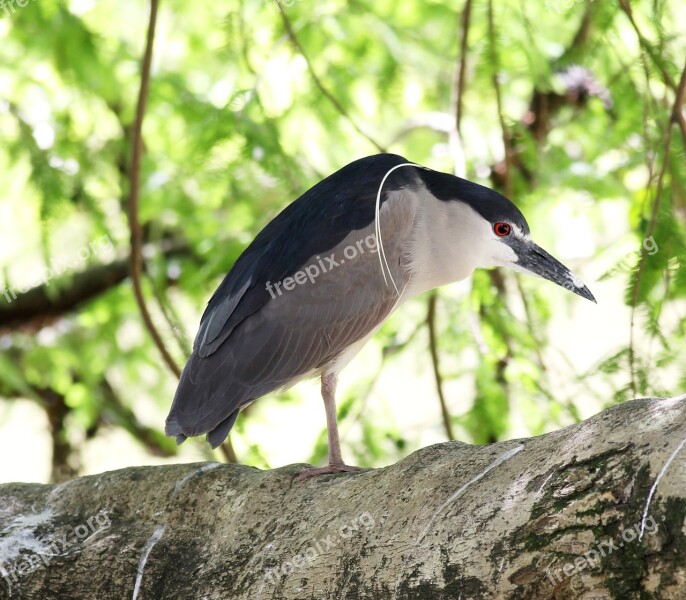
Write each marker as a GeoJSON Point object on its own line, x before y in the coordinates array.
{"type": "Point", "coordinates": [557, 516]}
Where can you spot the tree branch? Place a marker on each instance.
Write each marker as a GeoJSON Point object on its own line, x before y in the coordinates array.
{"type": "Point", "coordinates": [581, 36]}
{"type": "Point", "coordinates": [679, 103]}
{"type": "Point", "coordinates": [64, 455]}
{"type": "Point", "coordinates": [507, 173]}
{"type": "Point", "coordinates": [596, 509]}
{"type": "Point", "coordinates": [647, 46]}
{"type": "Point", "coordinates": [327, 94]}
{"type": "Point", "coordinates": [41, 305]}
{"type": "Point", "coordinates": [462, 65]}
{"type": "Point", "coordinates": [136, 266]}
{"type": "Point", "coordinates": [674, 118]}
{"type": "Point", "coordinates": [172, 319]}
{"type": "Point", "coordinates": [433, 345]}
{"type": "Point", "coordinates": [36, 307]}
{"type": "Point", "coordinates": [114, 412]}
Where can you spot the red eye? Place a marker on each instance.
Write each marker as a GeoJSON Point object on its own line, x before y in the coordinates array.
{"type": "Point", "coordinates": [502, 229]}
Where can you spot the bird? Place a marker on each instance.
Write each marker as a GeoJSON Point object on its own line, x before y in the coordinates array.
{"type": "Point", "coordinates": [322, 277]}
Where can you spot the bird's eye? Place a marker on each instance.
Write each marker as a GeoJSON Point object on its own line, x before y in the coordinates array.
{"type": "Point", "coordinates": [502, 229]}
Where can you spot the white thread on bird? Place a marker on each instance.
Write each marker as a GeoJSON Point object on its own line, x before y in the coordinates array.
{"type": "Point", "coordinates": [377, 224]}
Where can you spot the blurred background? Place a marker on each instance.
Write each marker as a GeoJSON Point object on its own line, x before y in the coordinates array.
{"type": "Point", "coordinates": [573, 109]}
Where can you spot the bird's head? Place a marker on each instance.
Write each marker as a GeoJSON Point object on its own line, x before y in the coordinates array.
{"type": "Point", "coordinates": [510, 245]}
{"type": "Point", "coordinates": [495, 232]}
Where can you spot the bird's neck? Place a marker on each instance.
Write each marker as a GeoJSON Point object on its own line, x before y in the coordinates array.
{"type": "Point", "coordinates": [439, 251]}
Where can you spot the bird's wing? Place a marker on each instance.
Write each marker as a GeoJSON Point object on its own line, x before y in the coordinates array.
{"type": "Point", "coordinates": [310, 226]}
{"type": "Point", "coordinates": [297, 331]}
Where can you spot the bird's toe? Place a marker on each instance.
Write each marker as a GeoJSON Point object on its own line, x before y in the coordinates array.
{"type": "Point", "coordinates": [329, 470]}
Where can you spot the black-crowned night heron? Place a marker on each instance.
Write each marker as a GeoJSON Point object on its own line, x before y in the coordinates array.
{"type": "Point", "coordinates": [320, 279]}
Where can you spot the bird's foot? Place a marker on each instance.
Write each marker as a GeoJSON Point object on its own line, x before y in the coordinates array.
{"type": "Point", "coordinates": [327, 470]}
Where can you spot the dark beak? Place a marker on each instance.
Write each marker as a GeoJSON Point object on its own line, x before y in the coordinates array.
{"type": "Point", "coordinates": [534, 259]}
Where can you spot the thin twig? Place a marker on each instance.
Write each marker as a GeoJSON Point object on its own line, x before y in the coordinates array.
{"type": "Point", "coordinates": [329, 96]}
{"type": "Point", "coordinates": [114, 412]}
{"type": "Point", "coordinates": [498, 98]}
{"type": "Point", "coordinates": [647, 46]}
{"type": "Point", "coordinates": [459, 168]}
{"type": "Point", "coordinates": [270, 123]}
{"type": "Point", "coordinates": [228, 451]}
{"type": "Point", "coordinates": [533, 329]}
{"type": "Point", "coordinates": [135, 177]}
{"type": "Point", "coordinates": [172, 319]}
{"type": "Point", "coordinates": [678, 110]}
{"type": "Point", "coordinates": [462, 65]}
{"type": "Point", "coordinates": [673, 119]}
{"type": "Point", "coordinates": [456, 142]}
{"type": "Point", "coordinates": [395, 348]}
{"type": "Point", "coordinates": [361, 400]}
{"type": "Point", "coordinates": [580, 37]}
{"type": "Point", "coordinates": [431, 322]}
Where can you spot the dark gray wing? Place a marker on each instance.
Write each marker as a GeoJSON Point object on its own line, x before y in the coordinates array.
{"type": "Point", "coordinates": [310, 226]}
{"type": "Point", "coordinates": [251, 343]}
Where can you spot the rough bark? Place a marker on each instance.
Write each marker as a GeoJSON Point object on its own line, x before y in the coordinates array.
{"type": "Point", "coordinates": [557, 516]}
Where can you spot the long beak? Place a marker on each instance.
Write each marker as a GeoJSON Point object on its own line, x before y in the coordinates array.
{"type": "Point", "coordinates": [531, 258]}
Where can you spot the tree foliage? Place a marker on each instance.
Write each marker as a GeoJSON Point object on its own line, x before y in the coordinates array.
{"type": "Point", "coordinates": [573, 109]}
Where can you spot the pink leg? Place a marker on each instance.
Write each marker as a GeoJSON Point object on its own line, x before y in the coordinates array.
{"type": "Point", "coordinates": [336, 464]}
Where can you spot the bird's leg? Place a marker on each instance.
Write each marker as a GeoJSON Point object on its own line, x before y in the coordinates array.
{"type": "Point", "coordinates": [336, 464]}
{"type": "Point", "coordinates": [329, 397]}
